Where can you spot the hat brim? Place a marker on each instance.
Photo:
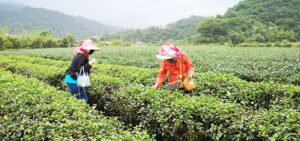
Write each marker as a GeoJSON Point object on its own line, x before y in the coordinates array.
{"type": "Point", "coordinates": [95, 49]}
{"type": "Point", "coordinates": [163, 57]}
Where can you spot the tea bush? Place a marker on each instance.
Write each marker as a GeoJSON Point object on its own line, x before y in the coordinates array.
{"type": "Point", "coordinates": [248, 111]}
{"type": "Point", "coordinates": [31, 110]}
{"type": "Point", "coordinates": [280, 65]}
{"type": "Point", "coordinates": [223, 86]}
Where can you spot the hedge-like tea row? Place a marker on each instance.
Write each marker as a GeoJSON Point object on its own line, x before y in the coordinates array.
{"type": "Point", "coordinates": [281, 65]}
{"type": "Point", "coordinates": [106, 96]}
{"type": "Point", "coordinates": [224, 86]}
{"type": "Point", "coordinates": [202, 118]}
{"type": "Point", "coordinates": [142, 75]}
{"type": "Point", "coordinates": [170, 115]}
{"type": "Point", "coordinates": [32, 110]}
{"type": "Point", "coordinates": [255, 95]}
{"type": "Point", "coordinates": [39, 60]}
{"type": "Point", "coordinates": [51, 75]}
{"type": "Point", "coordinates": [173, 116]}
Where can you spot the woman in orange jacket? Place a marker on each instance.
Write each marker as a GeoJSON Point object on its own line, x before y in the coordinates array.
{"type": "Point", "coordinates": [174, 61]}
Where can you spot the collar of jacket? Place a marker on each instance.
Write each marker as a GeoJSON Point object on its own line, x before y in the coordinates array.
{"type": "Point", "coordinates": [84, 52]}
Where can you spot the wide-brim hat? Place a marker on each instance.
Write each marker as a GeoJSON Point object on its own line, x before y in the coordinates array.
{"type": "Point", "coordinates": [94, 48]}
{"type": "Point", "coordinates": [88, 45]}
{"type": "Point", "coordinates": [163, 57]}
{"type": "Point", "coordinates": [168, 51]}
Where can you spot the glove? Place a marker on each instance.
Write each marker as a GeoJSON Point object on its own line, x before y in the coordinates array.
{"type": "Point", "coordinates": [189, 76]}
{"type": "Point", "coordinates": [92, 61]}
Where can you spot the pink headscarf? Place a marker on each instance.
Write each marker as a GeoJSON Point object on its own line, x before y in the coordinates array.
{"type": "Point", "coordinates": [84, 47]}
{"type": "Point", "coordinates": [168, 51]}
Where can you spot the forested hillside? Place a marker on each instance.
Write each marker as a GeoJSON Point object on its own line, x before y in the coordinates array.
{"type": "Point", "coordinates": [181, 30]}
{"type": "Point", "coordinates": [260, 21]}
{"type": "Point", "coordinates": [18, 18]}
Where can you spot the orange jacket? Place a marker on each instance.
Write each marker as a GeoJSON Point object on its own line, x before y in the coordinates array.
{"type": "Point", "coordinates": [174, 69]}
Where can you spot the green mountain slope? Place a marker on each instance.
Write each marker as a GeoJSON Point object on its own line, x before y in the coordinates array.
{"type": "Point", "coordinates": [255, 21]}
{"type": "Point", "coordinates": [180, 30]}
{"type": "Point", "coordinates": [18, 18]}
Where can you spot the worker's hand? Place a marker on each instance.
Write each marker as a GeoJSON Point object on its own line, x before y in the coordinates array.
{"type": "Point", "coordinates": [155, 86]}
{"type": "Point", "coordinates": [92, 61]}
{"type": "Point", "coordinates": [189, 76]}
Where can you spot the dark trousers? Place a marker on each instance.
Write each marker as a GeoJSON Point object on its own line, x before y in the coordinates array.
{"type": "Point", "coordinates": [79, 92]}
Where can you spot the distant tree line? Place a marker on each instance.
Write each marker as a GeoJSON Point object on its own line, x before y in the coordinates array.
{"type": "Point", "coordinates": [19, 18]}
{"type": "Point", "coordinates": [34, 40]}
{"type": "Point", "coordinates": [178, 32]}
{"type": "Point", "coordinates": [264, 22]}
{"type": "Point", "coordinates": [251, 23]}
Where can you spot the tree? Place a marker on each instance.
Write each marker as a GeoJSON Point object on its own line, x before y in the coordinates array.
{"type": "Point", "coordinates": [2, 40]}
{"type": "Point", "coordinates": [45, 34]}
{"type": "Point", "coordinates": [254, 21]}
{"type": "Point", "coordinates": [138, 35]}
{"type": "Point", "coordinates": [180, 30]}
{"type": "Point", "coordinates": [64, 42]}
{"type": "Point", "coordinates": [71, 40]}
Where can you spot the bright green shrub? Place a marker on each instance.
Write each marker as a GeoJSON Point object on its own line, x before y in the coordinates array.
{"type": "Point", "coordinates": [280, 65]}
{"type": "Point", "coordinates": [51, 75]}
{"type": "Point", "coordinates": [172, 116]}
{"type": "Point", "coordinates": [40, 61]}
{"type": "Point", "coordinates": [273, 124]}
{"type": "Point", "coordinates": [224, 86]}
{"type": "Point", "coordinates": [31, 110]}
{"type": "Point", "coordinates": [255, 95]}
{"type": "Point", "coordinates": [128, 74]}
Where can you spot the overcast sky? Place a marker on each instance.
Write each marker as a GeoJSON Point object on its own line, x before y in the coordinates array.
{"type": "Point", "coordinates": [134, 13]}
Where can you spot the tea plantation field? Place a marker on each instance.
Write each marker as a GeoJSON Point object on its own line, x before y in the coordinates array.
{"type": "Point", "coordinates": [251, 64]}
{"type": "Point", "coordinates": [241, 94]}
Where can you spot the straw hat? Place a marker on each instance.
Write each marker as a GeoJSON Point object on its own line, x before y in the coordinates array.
{"type": "Point", "coordinates": [88, 45]}
{"type": "Point", "coordinates": [168, 51]}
